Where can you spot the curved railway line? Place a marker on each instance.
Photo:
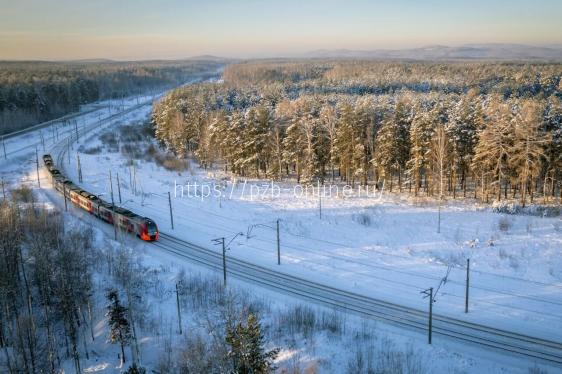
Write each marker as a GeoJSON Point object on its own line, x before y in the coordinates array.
{"type": "Point", "coordinates": [506, 341]}
{"type": "Point", "coordinates": [533, 348]}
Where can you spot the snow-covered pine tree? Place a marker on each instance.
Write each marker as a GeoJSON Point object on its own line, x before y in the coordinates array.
{"type": "Point", "coordinates": [344, 143]}
{"type": "Point", "coordinates": [392, 145]}
{"type": "Point", "coordinates": [464, 120]}
{"type": "Point", "coordinates": [275, 145]}
{"type": "Point", "coordinates": [294, 144]}
{"type": "Point", "coordinates": [365, 130]}
{"type": "Point", "coordinates": [234, 142]}
{"type": "Point", "coordinates": [385, 157]}
{"type": "Point", "coordinates": [247, 348]}
{"type": "Point", "coordinates": [328, 121]}
{"type": "Point", "coordinates": [264, 121]}
{"type": "Point", "coordinates": [421, 132]}
{"type": "Point", "coordinates": [119, 327]}
{"type": "Point", "coordinates": [217, 137]}
{"type": "Point", "coordinates": [312, 154]}
{"type": "Point", "coordinates": [552, 173]}
{"type": "Point", "coordinates": [495, 142]}
{"type": "Point", "coordinates": [528, 146]}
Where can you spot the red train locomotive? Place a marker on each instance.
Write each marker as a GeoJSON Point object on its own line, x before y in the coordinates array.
{"type": "Point", "coordinates": [142, 227]}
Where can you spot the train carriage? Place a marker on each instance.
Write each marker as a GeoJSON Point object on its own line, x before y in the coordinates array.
{"type": "Point", "coordinates": [142, 227]}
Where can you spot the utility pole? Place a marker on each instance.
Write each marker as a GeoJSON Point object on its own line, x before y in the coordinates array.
{"type": "Point", "coordinates": [3, 189]}
{"type": "Point", "coordinates": [79, 167]}
{"type": "Point", "coordinates": [114, 217]}
{"type": "Point", "coordinates": [68, 148]}
{"type": "Point", "coordinates": [42, 140]}
{"type": "Point", "coordinates": [278, 245]}
{"type": "Point", "coordinates": [224, 262]}
{"type": "Point", "coordinates": [171, 215]}
{"type": "Point", "coordinates": [118, 188]}
{"type": "Point", "coordinates": [37, 166]}
{"type": "Point", "coordinates": [64, 194]}
{"type": "Point", "coordinates": [111, 188]}
{"type": "Point", "coordinates": [76, 128]}
{"type": "Point", "coordinates": [221, 242]}
{"type": "Point", "coordinates": [179, 311]}
{"type": "Point", "coordinates": [115, 222]}
{"type": "Point", "coordinates": [467, 284]}
{"type": "Point", "coordinates": [429, 293]}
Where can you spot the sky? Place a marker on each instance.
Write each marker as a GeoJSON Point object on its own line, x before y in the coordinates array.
{"type": "Point", "coordinates": [172, 29]}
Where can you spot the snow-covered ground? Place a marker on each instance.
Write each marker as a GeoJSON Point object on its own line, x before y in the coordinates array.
{"type": "Point", "coordinates": [381, 246]}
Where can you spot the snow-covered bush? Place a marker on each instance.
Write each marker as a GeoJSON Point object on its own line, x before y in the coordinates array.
{"type": "Point", "coordinates": [504, 224]}
{"type": "Point", "coordinates": [506, 207]}
{"type": "Point", "coordinates": [362, 219]}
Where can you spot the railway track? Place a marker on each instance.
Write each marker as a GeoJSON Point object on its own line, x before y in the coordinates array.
{"type": "Point", "coordinates": [401, 316]}
{"type": "Point", "coordinates": [51, 122]}
{"type": "Point", "coordinates": [530, 347]}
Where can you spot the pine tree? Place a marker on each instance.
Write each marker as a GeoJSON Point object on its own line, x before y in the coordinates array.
{"type": "Point", "coordinates": [365, 131]}
{"type": "Point", "coordinates": [275, 144]}
{"type": "Point", "coordinates": [216, 136]}
{"type": "Point", "coordinates": [528, 146]}
{"type": "Point", "coordinates": [345, 142]}
{"type": "Point", "coordinates": [295, 144]}
{"type": "Point", "coordinates": [494, 146]}
{"type": "Point", "coordinates": [247, 348]}
{"type": "Point", "coordinates": [392, 144]}
{"type": "Point", "coordinates": [553, 150]}
{"type": "Point", "coordinates": [328, 122]}
{"type": "Point", "coordinates": [421, 133]}
{"type": "Point", "coordinates": [466, 118]}
{"type": "Point", "coordinates": [119, 327]}
{"type": "Point", "coordinates": [234, 143]}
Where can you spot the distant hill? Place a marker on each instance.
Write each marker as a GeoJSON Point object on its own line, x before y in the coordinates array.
{"type": "Point", "coordinates": [441, 52]}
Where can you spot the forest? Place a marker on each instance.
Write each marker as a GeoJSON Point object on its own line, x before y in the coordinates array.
{"type": "Point", "coordinates": [492, 131]}
{"type": "Point", "coordinates": [58, 286]}
{"type": "Point", "coordinates": [33, 92]}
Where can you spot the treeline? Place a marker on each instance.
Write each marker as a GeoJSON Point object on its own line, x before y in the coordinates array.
{"type": "Point", "coordinates": [33, 92]}
{"type": "Point", "coordinates": [488, 130]}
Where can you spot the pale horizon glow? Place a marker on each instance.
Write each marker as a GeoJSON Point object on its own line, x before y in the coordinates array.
{"type": "Point", "coordinates": [173, 29]}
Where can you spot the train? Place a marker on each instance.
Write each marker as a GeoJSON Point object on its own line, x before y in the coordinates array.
{"type": "Point", "coordinates": [143, 227]}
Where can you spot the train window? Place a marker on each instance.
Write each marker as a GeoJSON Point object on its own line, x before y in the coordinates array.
{"type": "Point", "coordinates": [151, 227]}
